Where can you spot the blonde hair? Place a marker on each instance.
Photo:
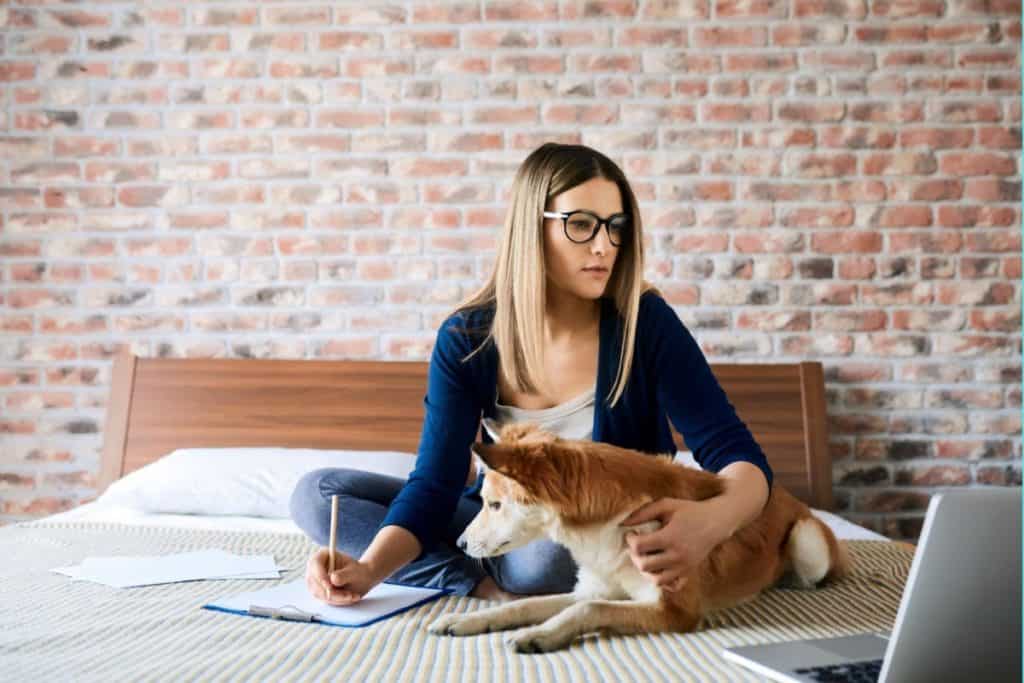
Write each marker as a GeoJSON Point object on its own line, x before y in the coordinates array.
{"type": "Point", "coordinates": [516, 286]}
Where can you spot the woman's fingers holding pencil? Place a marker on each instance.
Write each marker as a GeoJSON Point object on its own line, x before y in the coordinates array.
{"type": "Point", "coordinates": [348, 584]}
{"type": "Point", "coordinates": [316, 574]}
{"type": "Point", "coordinates": [351, 580]}
{"type": "Point", "coordinates": [317, 580]}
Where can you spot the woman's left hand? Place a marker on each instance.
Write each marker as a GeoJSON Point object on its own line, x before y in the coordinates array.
{"type": "Point", "coordinates": [689, 531]}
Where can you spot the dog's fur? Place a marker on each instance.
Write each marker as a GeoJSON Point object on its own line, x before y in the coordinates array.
{"type": "Point", "coordinates": [577, 493]}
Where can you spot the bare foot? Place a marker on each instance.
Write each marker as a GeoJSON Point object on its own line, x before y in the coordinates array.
{"type": "Point", "coordinates": [489, 590]}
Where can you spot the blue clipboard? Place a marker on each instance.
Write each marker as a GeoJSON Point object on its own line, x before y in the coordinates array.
{"type": "Point", "coordinates": [292, 602]}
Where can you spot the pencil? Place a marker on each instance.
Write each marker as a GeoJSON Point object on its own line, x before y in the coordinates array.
{"type": "Point", "coordinates": [334, 530]}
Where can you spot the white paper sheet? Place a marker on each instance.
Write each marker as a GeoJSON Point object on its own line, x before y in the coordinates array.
{"type": "Point", "coordinates": [128, 571]}
{"type": "Point", "coordinates": [75, 573]}
{"type": "Point", "coordinates": [382, 600]}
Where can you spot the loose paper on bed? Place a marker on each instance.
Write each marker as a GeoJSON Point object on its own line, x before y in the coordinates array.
{"type": "Point", "coordinates": [292, 601]}
{"type": "Point", "coordinates": [149, 570]}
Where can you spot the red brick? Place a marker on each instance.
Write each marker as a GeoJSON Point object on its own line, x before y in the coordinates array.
{"type": "Point", "coordinates": [999, 476]}
{"type": "Point", "coordinates": [897, 9]}
{"type": "Point", "coordinates": [994, 241]}
{"type": "Point", "coordinates": [943, 189]}
{"type": "Point", "coordinates": [974, 449]}
{"type": "Point", "coordinates": [735, 113]}
{"type": "Point", "coordinates": [1003, 83]}
{"type": "Point", "coordinates": [969, 345]}
{"type": "Point", "coordinates": [928, 320]}
{"type": "Point", "coordinates": [977, 163]}
{"type": "Point", "coordinates": [306, 67]}
{"type": "Point", "coordinates": [17, 71]}
{"type": "Point", "coordinates": [973, 267]}
{"type": "Point", "coordinates": [933, 475]}
{"type": "Point", "coordinates": [647, 36]}
{"type": "Point", "coordinates": [988, 58]}
{"type": "Point", "coordinates": [817, 345]}
{"type": "Point", "coordinates": [964, 399]}
{"type": "Point", "coordinates": [459, 12]}
{"type": "Point", "coordinates": [759, 61]}
{"type": "Point", "coordinates": [823, 217]}
{"type": "Point", "coordinates": [847, 241]}
{"type": "Point", "coordinates": [633, 114]}
{"type": "Point", "coordinates": [995, 137]}
{"type": "Point", "coordinates": [900, 163]}
{"type": "Point", "coordinates": [1012, 267]}
{"type": "Point", "coordinates": [924, 58]}
{"type": "Point", "coordinates": [849, 321]}
{"type": "Point", "coordinates": [858, 137]}
{"type": "Point", "coordinates": [977, 293]}
{"type": "Point", "coordinates": [528, 10]}
{"type": "Point", "coordinates": [911, 216]}
{"type": "Point", "coordinates": [297, 16]}
{"type": "Point", "coordinates": [976, 216]}
{"type": "Point", "coordinates": [742, 9]}
{"type": "Point", "coordinates": [807, 34]}
{"type": "Point", "coordinates": [37, 507]}
{"type": "Point", "coordinates": [725, 217]}
{"type": "Point", "coordinates": [724, 36]}
{"type": "Point", "coordinates": [774, 321]}
{"type": "Point", "coordinates": [885, 112]}
{"type": "Point", "coordinates": [857, 268]}
{"type": "Point", "coordinates": [496, 38]}
{"type": "Point", "coordinates": [857, 373]}
{"type": "Point", "coordinates": [969, 112]}
{"type": "Point", "coordinates": [598, 9]}
{"type": "Point", "coordinates": [423, 40]}
{"type": "Point", "coordinates": [43, 172]}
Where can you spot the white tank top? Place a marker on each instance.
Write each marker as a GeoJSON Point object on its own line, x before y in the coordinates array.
{"type": "Point", "coordinates": [573, 419]}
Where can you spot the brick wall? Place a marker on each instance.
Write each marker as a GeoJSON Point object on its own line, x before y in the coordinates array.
{"type": "Point", "coordinates": [827, 180]}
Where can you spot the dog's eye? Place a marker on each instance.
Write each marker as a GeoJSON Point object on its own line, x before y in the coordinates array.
{"type": "Point", "coordinates": [494, 504]}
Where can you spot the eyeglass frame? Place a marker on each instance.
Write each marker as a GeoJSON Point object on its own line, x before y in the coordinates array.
{"type": "Point", "coordinates": [605, 222]}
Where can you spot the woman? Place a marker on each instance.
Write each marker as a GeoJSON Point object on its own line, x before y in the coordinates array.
{"type": "Point", "coordinates": [566, 333]}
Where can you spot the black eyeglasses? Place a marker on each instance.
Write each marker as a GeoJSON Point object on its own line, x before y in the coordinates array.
{"type": "Point", "coordinates": [581, 226]}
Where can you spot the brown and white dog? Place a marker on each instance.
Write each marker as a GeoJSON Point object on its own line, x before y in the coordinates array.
{"type": "Point", "coordinates": [577, 493]}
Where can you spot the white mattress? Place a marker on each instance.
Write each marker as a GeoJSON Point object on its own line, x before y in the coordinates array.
{"type": "Point", "coordinates": [101, 634]}
{"type": "Point", "coordinates": [98, 512]}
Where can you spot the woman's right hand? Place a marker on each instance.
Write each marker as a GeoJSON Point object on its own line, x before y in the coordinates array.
{"type": "Point", "coordinates": [348, 584]}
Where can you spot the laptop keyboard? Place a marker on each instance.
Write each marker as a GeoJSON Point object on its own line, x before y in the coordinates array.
{"type": "Point", "coordinates": [857, 672]}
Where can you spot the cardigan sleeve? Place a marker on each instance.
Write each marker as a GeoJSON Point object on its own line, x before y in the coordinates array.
{"type": "Point", "coordinates": [691, 396]}
{"type": "Point", "coordinates": [426, 503]}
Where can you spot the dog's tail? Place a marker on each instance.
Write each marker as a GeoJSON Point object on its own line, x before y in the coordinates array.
{"type": "Point", "coordinates": [814, 553]}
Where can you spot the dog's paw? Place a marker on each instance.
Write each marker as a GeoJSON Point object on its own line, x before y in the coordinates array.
{"type": "Point", "coordinates": [534, 640]}
{"type": "Point", "coordinates": [459, 625]}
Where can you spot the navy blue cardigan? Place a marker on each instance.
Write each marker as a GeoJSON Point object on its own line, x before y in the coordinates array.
{"type": "Point", "coordinates": [670, 378]}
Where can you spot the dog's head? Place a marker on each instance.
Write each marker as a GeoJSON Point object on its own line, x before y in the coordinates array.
{"type": "Point", "coordinates": [521, 469]}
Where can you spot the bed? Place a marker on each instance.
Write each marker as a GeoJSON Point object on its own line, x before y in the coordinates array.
{"type": "Point", "coordinates": [199, 453]}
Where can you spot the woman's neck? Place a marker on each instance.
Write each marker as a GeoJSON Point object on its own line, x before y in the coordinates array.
{"type": "Point", "coordinates": [568, 317]}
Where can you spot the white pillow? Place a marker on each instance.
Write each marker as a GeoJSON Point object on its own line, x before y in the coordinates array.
{"type": "Point", "coordinates": [255, 482]}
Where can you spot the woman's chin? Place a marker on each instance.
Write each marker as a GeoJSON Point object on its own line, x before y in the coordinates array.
{"type": "Point", "coordinates": [590, 294]}
{"type": "Point", "coordinates": [586, 291]}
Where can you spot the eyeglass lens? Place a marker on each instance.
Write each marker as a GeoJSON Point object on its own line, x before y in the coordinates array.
{"type": "Point", "coordinates": [581, 227]}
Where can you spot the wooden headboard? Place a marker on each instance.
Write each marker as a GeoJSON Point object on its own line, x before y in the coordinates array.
{"type": "Point", "coordinates": [157, 405]}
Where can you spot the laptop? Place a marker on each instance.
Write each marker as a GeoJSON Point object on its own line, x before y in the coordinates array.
{"type": "Point", "coordinates": [960, 616]}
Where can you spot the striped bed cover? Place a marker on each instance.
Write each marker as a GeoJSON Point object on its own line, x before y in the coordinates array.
{"type": "Point", "coordinates": [56, 629]}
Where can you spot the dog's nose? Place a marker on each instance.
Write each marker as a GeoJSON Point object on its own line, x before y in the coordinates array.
{"type": "Point", "coordinates": [461, 543]}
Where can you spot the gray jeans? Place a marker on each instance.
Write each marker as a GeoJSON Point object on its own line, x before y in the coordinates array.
{"type": "Point", "coordinates": [542, 566]}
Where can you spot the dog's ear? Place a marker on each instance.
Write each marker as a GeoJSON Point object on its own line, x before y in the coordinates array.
{"type": "Point", "coordinates": [496, 456]}
{"type": "Point", "coordinates": [527, 464]}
